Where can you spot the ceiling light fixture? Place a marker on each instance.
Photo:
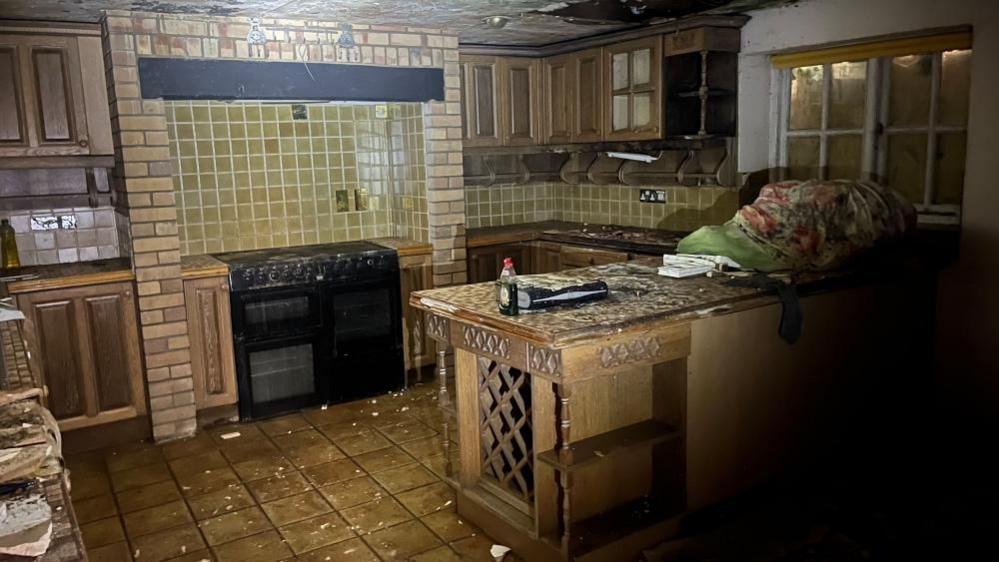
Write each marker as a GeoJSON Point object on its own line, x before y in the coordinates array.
{"type": "Point", "coordinates": [496, 22]}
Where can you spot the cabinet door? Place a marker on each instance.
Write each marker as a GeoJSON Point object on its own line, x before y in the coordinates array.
{"type": "Point", "coordinates": [558, 97]}
{"type": "Point", "coordinates": [576, 256]}
{"type": "Point", "coordinates": [415, 277]}
{"type": "Point", "coordinates": [519, 102]}
{"type": "Point", "coordinates": [54, 94]}
{"type": "Point", "coordinates": [209, 327]}
{"type": "Point", "coordinates": [13, 121]}
{"type": "Point", "coordinates": [588, 93]}
{"type": "Point", "coordinates": [85, 344]}
{"type": "Point", "coordinates": [480, 89]}
{"type": "Point", "coordinates": [482, 264]}
{"type": "Point", "coordinates": [633, 92]}
{"type": "Point", "coordinates": [547, 258]}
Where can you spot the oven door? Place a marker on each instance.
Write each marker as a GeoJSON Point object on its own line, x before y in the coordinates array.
{"type": "Point", "coordinates": [273, 313]}
{"type": "Point", "coordinates": [281, 375]}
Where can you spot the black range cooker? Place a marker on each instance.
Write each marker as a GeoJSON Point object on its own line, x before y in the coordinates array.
{"type": "Point", "coordinates": [315, 324]}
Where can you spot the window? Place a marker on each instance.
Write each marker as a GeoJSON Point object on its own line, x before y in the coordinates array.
{"type": "Point", "coordinates": [893, 111]}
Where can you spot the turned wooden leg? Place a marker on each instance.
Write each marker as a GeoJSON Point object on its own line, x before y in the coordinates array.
{"type": "Point", "coordinates": [442, 397]}
{"type": "Point", "coordinates": [448, 469]}
{"type": "Point", "coordinates": [565, 455]}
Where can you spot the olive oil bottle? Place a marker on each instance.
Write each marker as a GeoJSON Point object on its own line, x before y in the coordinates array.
{"type": "Point", "coordinates": [8, 247]}
{"type": "Point", "coordinates": [506, 289]}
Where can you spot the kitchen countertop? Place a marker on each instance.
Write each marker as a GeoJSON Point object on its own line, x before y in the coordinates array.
{"type": "Point", "coordinates": [627, 238]}
{"type": "Point", "coordinates": [404, 246]}
{"type": "Point", "coordinates": [197, 267]}
{"type": "Point", "coordinates": [66, 275]}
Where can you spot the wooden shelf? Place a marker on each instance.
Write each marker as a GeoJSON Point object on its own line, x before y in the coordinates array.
{"type": "Point", "coordinates": [592, 449]}
{"type": "Point", "coordinates": [617, 524]}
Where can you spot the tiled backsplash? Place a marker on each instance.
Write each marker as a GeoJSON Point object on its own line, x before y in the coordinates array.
{"type": "Point", "coordinates": [95, 236]}
{"type": "Point", "coordinates": [686, 208]}
{"type": "Point", "coordinates": [261, 175]}
{"type": "Point", "coordinates": [503, 204]}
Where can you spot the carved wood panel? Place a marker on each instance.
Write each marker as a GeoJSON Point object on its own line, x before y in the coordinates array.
{"type": "Point", "coordinates": [485, 341]}
{"type": "Point", "coordinates": [437, 327]}
{"type": "Point", "coordinates": [634, 351]}
{"type": "Point", "coordinates": [210, 330]}
{"type": "Point", "coordinates": [505, 427]}
{"type": "Point", "coordinates": [544, 360]}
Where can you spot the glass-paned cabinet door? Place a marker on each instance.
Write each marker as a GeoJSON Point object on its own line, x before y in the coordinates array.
{"type": "Point", "coordinates": [634, 89]}
{"type": "Point", "coordinates": [641, 67]}
{"type": "Point", "coordinates": [619, 72]}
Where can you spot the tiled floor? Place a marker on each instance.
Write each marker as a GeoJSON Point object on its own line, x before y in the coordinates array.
{"type": "Point", "coordinates": [356, 482]}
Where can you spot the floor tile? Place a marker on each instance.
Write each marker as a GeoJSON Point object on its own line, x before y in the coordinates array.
{"type": "Point", "coordinates": [208, 460]}
{"type": "Point", "coordinates": [200, 443]}
{"type": "Point", "coordinates": [427, 499]}
{"type": "Point", "coordinates": [206, 481]}
{"type": "Point", "coordinates": [311, 455]}
{"type": "Point", "coordinates": [231, 498]}
{"type": "Point", "coordinates": [402, 541]}
{"type": "Point", "coordinates": [406, 430]}
{"type": "Point", "coordinates": [436, 464]}
{"type": "Point", "coordinates": [102, 532]}
{"type": "Point", "coordinates": [332, 415]}
{"type": "Point", "coordinates": [332, 472]}
{"type": "Point", "coordinates": [284, 424]}
{"type": "Point", "coordinates": [449, 525]}
{"type": "Point", "coordinates": [296, 508]}
{"type": "Point", "coordinates": [246, 431]}
{"type": "Point", "coordinates": [263, 467]}
{"type": "Point", "coordinates": [406, 477]}
{"type": "Point", "coordinates": [276, 487]}
{"type": "Point", "coordinates": [298, 439]}
{"type": "Point", "coordinates": [364, 442]}
{"type": "Point", "coordinates": [352, 492]}
{"type": "Point", "coordinates": [263, 547]}
{"type": "Point", "coordinates": [371, 516]}
{"type": "Point", "coordinates": [383, 459]}
{"type": "Point", "coordinates": [167, 544]}
{"type": "Point", "coordinates": [97, 507]}
{"type": "Point", "coordinates": [156, 518]}
{"type": "Point", "coordinates": [316, 532]}
{"type": "Point", "coordinates": [89, 486]}
{"type": "Point", "coordinates": [442, 553]}
{"type": "Point", "coordinates": [87, 464]}
{"type": "Point", "coordinates": [424, 448]}
{"type": "Point", "coordinates": [114, 552]}
{"type": "Point", "coordinates": [203, 555]}
{"type": "Point", "coordinates": [148, 496]}
{"type": "Point", "coordinates": [141, 476]}
{"type": "Point", "coordinates": [133, 459]}
{"type": "Point", "coordinates": [350, 550]}
{"type": "Point", "coordinates": [235, 525]}
{"type": "Point", "coordinates": [474, 548]}
{"type": "Point", "coordinates": [336, 431]}
{"type": "Point", "coordinates": [248, 449]}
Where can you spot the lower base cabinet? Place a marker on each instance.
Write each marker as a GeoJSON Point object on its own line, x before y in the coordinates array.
{"type": "Point", "coordinates": [486, 262]}
{"type": "Point", "coordinates": [416, 274]}
{"type": "Point", "coordinates": [84, 344]}
{"type": "Point", "coordinates": [209, 327]}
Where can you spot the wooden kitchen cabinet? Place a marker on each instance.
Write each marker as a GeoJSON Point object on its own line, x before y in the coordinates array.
{"type": "Point", "coordinates": [520, 101]}
{"type": "Point", "coordinates": [577, 256]}
{"type": "Point", "coordinates": [480, 99]}
{"type": "Point", "coordinates": [209, 327]}
{"type": "Point", "coordinates": [587, 96]}
{"type": "Point", "coordinates": [547, 257]}
{"type": "Point", "coordinates": [633, 90]}
{"type": "Point", "coordinates": [416, 274]}
{"type": "Point", "coordinates": [559, 81]}
{"type": "Point", "coordinates": [486, 262]}
{"type": "Point", "coordinates": [53, 98]}
{"type": "Point", "coordinates": [84, 344]}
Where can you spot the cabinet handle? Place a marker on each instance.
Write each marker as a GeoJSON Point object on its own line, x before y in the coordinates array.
{"type": "Point", "coordinates": [84, 143]}
{"type": "Point", "coordinates": [224, 286]}
{"type": "Point", "coordinates": [128, 292]}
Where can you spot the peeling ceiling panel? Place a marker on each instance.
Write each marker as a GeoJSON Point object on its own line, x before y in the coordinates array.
{"type": "Point", "coordinates": [530, 23]}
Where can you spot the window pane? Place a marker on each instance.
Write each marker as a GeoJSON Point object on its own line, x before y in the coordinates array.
{"type": "Point", "coordinates": [619, 113]}
{"type": "Point", "coordinates": [948, 181]}
{"type": "Point", "coordinates": [848, 95]}
{"type": "Point", "coordinates": [955, 79]}
{"type": "Point", "coordinates": [619, 71]}
{"type": "Point", "coordinates": [909, 98]}
{"type": "Point", "coordinates": [907, 165]}
{"type": "Point", "coordinates": [844, 158]}
{"type": "Point", "coordinates": [642, 104]}
{"type": "Point", "coordinates": [803, 158]}
{"type": "Point", "coordinates": [806, 97]}
{"type": "Point", "coordinates": [640, 62]}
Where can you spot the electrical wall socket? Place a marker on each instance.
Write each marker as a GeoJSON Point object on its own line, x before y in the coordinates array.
{"type": "Point", "coordinates": [652, 195]}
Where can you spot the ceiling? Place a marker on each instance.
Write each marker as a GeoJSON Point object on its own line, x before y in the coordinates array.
{"type": "Point", "coordinates": [531, 22]}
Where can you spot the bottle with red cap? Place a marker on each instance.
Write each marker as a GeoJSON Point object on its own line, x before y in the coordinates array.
{"type": "Point", "coordinates": [506, 289]}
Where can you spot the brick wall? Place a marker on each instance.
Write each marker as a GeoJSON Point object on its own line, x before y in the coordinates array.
{"type": "Point", "coordinates": [143, 169]}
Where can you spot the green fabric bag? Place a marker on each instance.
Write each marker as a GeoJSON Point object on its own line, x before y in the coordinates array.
{"type": "Point", "coordinates": [729, 240]}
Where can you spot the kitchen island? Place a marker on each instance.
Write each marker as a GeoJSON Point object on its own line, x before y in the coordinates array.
{"type": "Point", "coordinates": [587, 432]}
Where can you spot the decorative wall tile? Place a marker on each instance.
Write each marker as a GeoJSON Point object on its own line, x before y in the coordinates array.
{"type": "Point", "coordinates": [88, 234]}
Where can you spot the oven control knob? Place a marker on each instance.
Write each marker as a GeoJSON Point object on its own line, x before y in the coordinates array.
{"type": "Point", "coordinates": [371, 262]}
{"type": "Point", "coordinates": [273, 275]}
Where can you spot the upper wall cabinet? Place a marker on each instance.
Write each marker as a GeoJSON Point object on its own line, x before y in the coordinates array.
{"type": "Point", "coordinates": [633, 90]}
{"type": "Point", "coordinates": [502, 101]}
{"type": "Point", "coordinates": [480, 97]}
{"type": "Point", "coordinates": [587, 96]}
{"type": "Point", "coordinates": [559, 82]}
{"type": "Point", "coordinates": [53, 98]}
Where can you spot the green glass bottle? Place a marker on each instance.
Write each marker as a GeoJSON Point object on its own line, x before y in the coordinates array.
{"type": "Point", "coordinates": [8, 246]}
{"type": "Point", "coordinates": [506, 289]}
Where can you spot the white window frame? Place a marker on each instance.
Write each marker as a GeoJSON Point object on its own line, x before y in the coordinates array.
{"type": "Point", "coordinates": [875, 131]}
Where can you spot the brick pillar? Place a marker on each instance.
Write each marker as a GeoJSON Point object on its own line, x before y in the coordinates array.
{"type": "Point", "coordinates": [445, 182]}
{"type": "Point", "coordinates": [143, 178]}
